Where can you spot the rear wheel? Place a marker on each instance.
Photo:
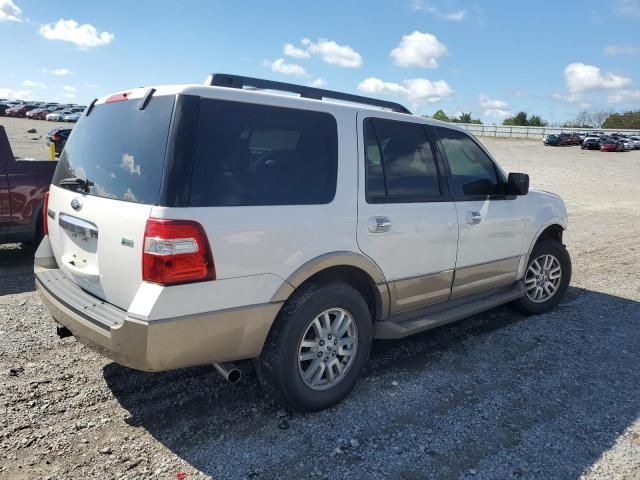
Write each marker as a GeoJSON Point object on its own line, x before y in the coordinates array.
{"type": "Point", "coordinates": [546, 279]}
{"type": "Point", "coordinates": [317, 348]}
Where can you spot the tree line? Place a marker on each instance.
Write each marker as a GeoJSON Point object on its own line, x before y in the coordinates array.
{"type": "Point", "coordinates": [585, 119]}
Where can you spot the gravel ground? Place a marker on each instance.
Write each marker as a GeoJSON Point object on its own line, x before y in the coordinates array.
{"type": "Point", "coordinates": [494, 396]}
{"type": "Point", "coordinates": [30, 145]}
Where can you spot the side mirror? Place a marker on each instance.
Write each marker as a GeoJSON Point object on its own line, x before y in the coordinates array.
{"type": "Point", "coordinates": [518, 184]}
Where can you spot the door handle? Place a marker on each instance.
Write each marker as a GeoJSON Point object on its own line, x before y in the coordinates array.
{"type": "Point", "coordinates": [474, 218]}
{"type": "Point", "coordinates": [379, 224]}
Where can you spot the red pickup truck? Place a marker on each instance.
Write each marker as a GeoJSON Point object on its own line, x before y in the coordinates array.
{"type": "Point", "coordinates": [23, 184]}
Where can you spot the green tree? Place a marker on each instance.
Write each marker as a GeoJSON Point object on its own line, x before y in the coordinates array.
{"type": "Point", "coordinates": [440, 115]}
{"type": "Point", "coordinates": [465, 117]}
{"type": "Point", "coordinates": [623, 120]}
{"type": "Point", "coordinates": [521, 119]}
{"type": "Point", "coordinates": [536, 121]}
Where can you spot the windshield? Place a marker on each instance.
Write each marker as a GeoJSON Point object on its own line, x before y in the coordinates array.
{"type": "Point", "coordinates": [120, 148]}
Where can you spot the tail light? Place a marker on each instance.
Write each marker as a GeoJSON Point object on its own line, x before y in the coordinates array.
{"type": "Point", "coordinates": [176, 251]}
{"type": "Point", "coordinates": [45, 215]}
{"type": "Point", "coordinates": [56, 136]}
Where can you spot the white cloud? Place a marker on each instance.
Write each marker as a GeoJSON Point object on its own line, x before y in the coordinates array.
{"type": "Point", "coordinates": [328, 50]}
{"type": "Point", "coordinates": [417, 90]}
{"type": "Point", "coordinates": [83, 36]}
{"type": "Point", "coordinates": [9, 11]}
{"type": "Point", "coordinates": [32, 84]}
{"type": "Point", "coordinates": [60, 72]}
{"type": "Point", "coordinates": [69, 95]}
{"type": "Point", "coordinates": [280, 66]}
{"type": "Point", "coordinates": [318, 83]}
{"type": "Point", "coordinates": [334, 53]}
{"type": "Point", "coordinates": [622, 50]}
{"type": "Point", "coordinates": [494, 108]}
{"type": "Point", "coordinates": [16, 94]}
{"type": "Point", "coordinates": [295, 52]}
{"type": "Point", "coordinates": [128, 164]}
{"type": "Point", "coordinates": [632, 95]}
{"type": "Point", "coordinates": [423, 6]}
{"type": "Point", "coordinates": [585, 78]}
{"type": "Point", "coordinates": [627, 7]}
{"type": "Point", "coordinates": [129, 195]}
{"type": "Point", "coordinates": [486, 102]}
{"type": "Point", "coordinates": [577, 98]}
{"type": "Point", "coordinates": [69, 88]}
{"type": "Point", "coordinates": [498, 113]}
{"type": "Point", "coordinates": [418, 50]}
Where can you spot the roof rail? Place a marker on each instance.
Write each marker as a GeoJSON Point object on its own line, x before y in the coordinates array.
{"type": "Point", "coordinates": [238, 81]}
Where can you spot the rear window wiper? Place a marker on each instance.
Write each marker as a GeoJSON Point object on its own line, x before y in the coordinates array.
{"type": "Point", "coordinates": [73, 183]}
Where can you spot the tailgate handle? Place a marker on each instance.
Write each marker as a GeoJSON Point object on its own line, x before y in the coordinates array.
{"type": "Point", "coordinates": [78, 226]}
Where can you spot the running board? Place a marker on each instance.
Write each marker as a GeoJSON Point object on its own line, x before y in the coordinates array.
{"type": "Point", "coordinates": [400, 328]}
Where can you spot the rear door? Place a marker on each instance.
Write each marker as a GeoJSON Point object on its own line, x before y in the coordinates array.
{"type": "Point", "coordinates": [96, 232]}
{"type": "Point", "coordinates": [491, 224]}
{"type": "Point", "coordinates": [406, 220]}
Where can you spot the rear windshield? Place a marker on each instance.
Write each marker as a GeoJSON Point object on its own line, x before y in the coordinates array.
{"type": "Point", "coordinates": [249, 154]}
{"type": "Point", "coordinates": [121, 149]}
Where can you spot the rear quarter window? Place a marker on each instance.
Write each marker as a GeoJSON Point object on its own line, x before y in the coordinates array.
{"type": "Point", "coordinates": [248, 154]}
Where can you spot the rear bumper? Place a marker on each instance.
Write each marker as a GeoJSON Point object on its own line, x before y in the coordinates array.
{"type": "Point", "coordinates": [156, 345]}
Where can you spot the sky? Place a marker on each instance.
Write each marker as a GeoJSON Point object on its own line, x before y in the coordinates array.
{"type": "Point", "coordinates": [492, 58]}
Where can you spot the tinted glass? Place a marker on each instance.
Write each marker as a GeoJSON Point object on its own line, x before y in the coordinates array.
{"type": "Point", "coordinates": [472, 170]}
{"type": "Point", "coordinates": [121, 149]}
{"type": "Point", "coordinates": [249, 154]}
{"type": "Point", "coordinates": [400, 163]}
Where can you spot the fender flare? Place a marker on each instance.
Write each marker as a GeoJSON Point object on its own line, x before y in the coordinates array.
{"type": "Point", "coordinates": [339, 259]}
{"type": "Point", "coordinates": [550, 222]}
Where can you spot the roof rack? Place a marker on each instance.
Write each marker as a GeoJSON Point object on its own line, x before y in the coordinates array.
{"type": "Point", "coordinates": [240, 82]}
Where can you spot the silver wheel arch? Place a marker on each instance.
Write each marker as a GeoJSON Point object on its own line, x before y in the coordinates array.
{"type": "Point", "coordinates": [546, 231]}
{"type": "Point", "coordinates": [331, 260]}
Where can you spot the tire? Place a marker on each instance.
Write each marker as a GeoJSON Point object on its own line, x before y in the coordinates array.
{"type": "Point", "coordinates": [279, 369]}
{"type": "Point", "coordinates": [528, 304]}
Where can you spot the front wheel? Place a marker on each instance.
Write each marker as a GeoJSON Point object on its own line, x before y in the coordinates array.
{"type": "Point", "coordinates": [317, 348]}
{"type": "Point", "coordinates": [546, 279]}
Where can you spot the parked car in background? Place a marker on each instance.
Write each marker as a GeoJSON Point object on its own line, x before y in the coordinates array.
{"type": "Point", "coordinates": [566, 139]}
{"type": "Point", "coordinates": [42, 114]}
{"type": "Point", "coordinates": [627, 143]}
{"type": "Point", "coordinates": [3, 108]}
{"type": "Point", "coordinates": [207, 263]}
{"type": "Point", "coordinates": [35, 111]}
{"type": "Point", "coordinates": [636, 142]}
{"type": "Point", "coordinates": [610, 144]}
{"type": "Point", "coordinates": [72, 117]}
{"type": "Point", "coordinates": [550, 140]}
{"type": "Point", "coordinates": [23, 184]}
{"type": "Point", "coordinates": [57, 116]}
{"type": "Point", "coordinates": [58, 136]}
{"type": "Point", "coordinates": [19, 111]}
{"type": "Point", "coordinates": [590, 143]}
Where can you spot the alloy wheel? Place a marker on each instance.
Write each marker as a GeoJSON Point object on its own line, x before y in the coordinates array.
{"type": "Point", "coordinates": [327, 349]}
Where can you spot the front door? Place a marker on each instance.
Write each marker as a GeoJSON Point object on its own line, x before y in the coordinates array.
{"type": "Point", "coordinates": [407, 223]}
{"type": "Point", "coordinates": [491, 224]}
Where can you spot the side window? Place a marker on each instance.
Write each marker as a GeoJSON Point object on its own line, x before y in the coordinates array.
{"type": "Point", "coordinates": [399, 162]}
{"type": "Point", "coordinates": [473, 172]}
{"type": "Point", "coordinates": [249, 154]}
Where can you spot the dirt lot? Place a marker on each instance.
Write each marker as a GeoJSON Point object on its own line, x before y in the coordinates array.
{"type": "Point", "coordinates": [30, 145]}
{"type": "Point", "coordinates": [494, 396]}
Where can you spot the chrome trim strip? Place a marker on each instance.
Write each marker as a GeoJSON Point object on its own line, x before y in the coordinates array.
{"type": "Point", "coordinates": [78, 226]}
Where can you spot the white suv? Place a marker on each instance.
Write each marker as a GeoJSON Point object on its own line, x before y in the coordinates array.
{"type": "Point", "coordinates": [191, 225]}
